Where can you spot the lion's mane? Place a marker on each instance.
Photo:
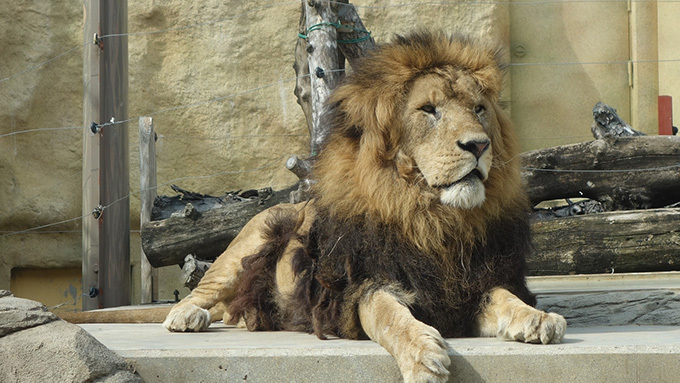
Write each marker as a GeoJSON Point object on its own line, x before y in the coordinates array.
{"type": "Point", "coordinates": [356, 170]}
{"type": "Point", "coordinates": [376, 227]}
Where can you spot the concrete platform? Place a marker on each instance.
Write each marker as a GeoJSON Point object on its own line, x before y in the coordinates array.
{"type": "Point", "coordinates": [227, 354]}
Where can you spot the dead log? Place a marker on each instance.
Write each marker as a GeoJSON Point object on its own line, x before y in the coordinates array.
{"type": "Point", "coordinates": [322, 60]}
{"type": "Point", "coordinates": [206, 234]}
{"type": "Point", "coordinates": [607, 123]}
{"type": "Point", "coordinates": [623, 173]}
{"type": "Point", "coordinates": [620, 241]}
{"type": "Point", "coordinates": [354, 40]}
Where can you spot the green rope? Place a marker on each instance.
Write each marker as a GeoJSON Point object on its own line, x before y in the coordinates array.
{"type": "Point", "coordinates": [337, 26]}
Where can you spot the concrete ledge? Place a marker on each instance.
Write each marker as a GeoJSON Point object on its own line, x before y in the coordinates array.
{"type": "Point", "coordinates": [227, 354]}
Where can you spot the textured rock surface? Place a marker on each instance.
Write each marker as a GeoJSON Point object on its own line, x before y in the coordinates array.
{"type": "Point", "coordinates": [36, 346]}
{"type": "Point", "coordinates": [17, 314]}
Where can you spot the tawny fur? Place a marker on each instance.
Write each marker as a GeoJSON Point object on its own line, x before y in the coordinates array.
{"type": "Point", "coordinates": [418, 227]}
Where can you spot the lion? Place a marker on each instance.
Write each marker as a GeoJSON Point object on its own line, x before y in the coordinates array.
{"type": "Point", "coordinates": [417, 229]}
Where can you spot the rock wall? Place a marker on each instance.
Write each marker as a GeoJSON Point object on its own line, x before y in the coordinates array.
{"type": "Point", "coordinates": [217, 78]}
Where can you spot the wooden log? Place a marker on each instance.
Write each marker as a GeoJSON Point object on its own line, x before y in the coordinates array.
{"type": "Point", "coordinates": [147, 194]}
{"type": "Point", "coordinates": [354, 40]}
{"type": "Point", "coordinates": [622, 173]}
{"type": "Point", "coordinates": [620, 241]}
{"type": "Point", "coordinates": [205, 234]}
{"type": "Point", "coordinates": [357, 43]}
{"type": "Point", "coordinates": [322, 59]}
{"type": "Point", "coordinates": [303, 91]}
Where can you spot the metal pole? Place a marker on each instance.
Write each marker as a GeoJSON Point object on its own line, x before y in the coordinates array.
{"type": "Point", "coordinates": [114, 191]}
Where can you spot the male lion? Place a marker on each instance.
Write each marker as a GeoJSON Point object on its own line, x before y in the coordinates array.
{"type": "Point", "coordinates": [418, 226]}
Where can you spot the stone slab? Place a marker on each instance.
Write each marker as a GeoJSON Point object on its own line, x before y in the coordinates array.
{"type": "Point", "coordinates": [17, 314]}
{"type": "Point", "coordinates": [225, 353]}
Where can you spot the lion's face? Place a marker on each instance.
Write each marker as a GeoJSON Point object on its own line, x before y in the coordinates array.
{"type": "Point", "coordinates": [418, 141]}
{"type": "Point", "coordinates": [447, 123]}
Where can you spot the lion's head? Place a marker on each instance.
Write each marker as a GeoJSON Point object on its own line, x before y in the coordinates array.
{"type": "Point", "coordinates": [418, 140]}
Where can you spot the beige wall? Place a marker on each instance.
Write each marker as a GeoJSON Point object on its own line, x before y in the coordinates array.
{"type": "Point", "coordinates": [669, 53]}
{"type": "Point", "coordinates": [246, 61]}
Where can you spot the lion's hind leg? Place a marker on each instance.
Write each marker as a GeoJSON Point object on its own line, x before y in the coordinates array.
{"type": "Point", "coordinates": [420, 351]}
{"type": "Point", "coordinates": [507, 317]}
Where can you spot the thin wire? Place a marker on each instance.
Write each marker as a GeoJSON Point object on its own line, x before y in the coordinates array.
{"type": "Point", "coordinates": [44, 226]}
{"type": "Point", "coordinates": [595, 62]}
{"type": "Point", "coordinates": [265, 166]}
{"type": "Point", "coordinates": [130, 194]}
{"type": "Point", "coordinates": [484, 2]}
{"type": "Point", "coordinates": [36, 66]}
{"type": "Point", "coordinates": [39, 130]}
{"type": "Point", "coordinates": [169, 109]}
{"type": "Point", "coordinates": [229, 136]}
{"type": "Point", "coordinates": [212, 22]}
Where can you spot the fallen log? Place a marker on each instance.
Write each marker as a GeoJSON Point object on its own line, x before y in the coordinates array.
{"type": "Point", "coordinates": [622, 173]}
{"type": "Point", "coordinates": [618, 241]}
{"type": "Point", "coordinates": [205, 234]}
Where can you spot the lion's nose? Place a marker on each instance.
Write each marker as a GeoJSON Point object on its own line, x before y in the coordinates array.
{"type": "Point", "coordinates": [476, 147]}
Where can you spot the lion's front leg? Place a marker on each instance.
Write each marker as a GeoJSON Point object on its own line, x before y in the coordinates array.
{"type": "Point", "coordinates": [507, 317]}
{"type": "Point", "coordinates": [421, 352]}
{"type": "Point", "coordinates": [218, 286]}
{"type": "Point", "coordinates": [193, 313]}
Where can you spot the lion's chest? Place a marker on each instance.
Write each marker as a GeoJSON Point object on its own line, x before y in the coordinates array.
{"type": "Point", "coordinates": [446, 297]}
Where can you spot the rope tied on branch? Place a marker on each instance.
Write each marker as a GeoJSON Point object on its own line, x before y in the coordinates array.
{"type": "Point", "coordinates": [340, 27]}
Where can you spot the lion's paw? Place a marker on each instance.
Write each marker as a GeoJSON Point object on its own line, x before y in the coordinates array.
{"type": "Point", "coordinates": [188, 317]}
{"type": "Point", "coordinates": [426, 358]}
{"type": "Point", "coordinates": [537, 326]}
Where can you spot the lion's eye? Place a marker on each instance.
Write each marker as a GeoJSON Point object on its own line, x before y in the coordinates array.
{"type": "Point", "coordinates": [479, 109]}
{"type": "Point", "coordinates": [428, 108]}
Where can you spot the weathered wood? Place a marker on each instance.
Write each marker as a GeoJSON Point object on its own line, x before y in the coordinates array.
{"type": "Point", "coordinates": [300, 167]}
{"type": "Point", "coordinates": [620, 241]}
{"type": "Point", "coordinates": [622, 173]}
{"type": "Point", "coordinates": [303, 92]}
{"type": "Point", "coordinates": [90, 185]}
{"type": "Point", "coordinates": [354, 40]}
{"type": "Point", "coordinates": [322, 59]}
{"type": "Point", "coordinates": [114, 174]}
{"type": "Point", "coordinates": [147, 194]}
{"type": "Point", "coordinates": [192, 271]}
{"type": "Point", "coordinates": [607, 123]}
{"type": "Point", "coordinates": [205, 234]}
{"type": "Point", "coordinates": [357, 44]}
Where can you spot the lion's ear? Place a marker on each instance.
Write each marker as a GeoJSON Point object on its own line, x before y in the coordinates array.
{"type": "Point", "coordinates": [490, 78]}
{"type": "Point", "coordinates": [380, 136]}
{"type": "Point", "coordinates": [366, 114]}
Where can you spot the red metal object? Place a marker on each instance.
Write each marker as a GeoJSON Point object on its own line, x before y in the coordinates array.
{"type": "Point", "coordinates": [665, 115]}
